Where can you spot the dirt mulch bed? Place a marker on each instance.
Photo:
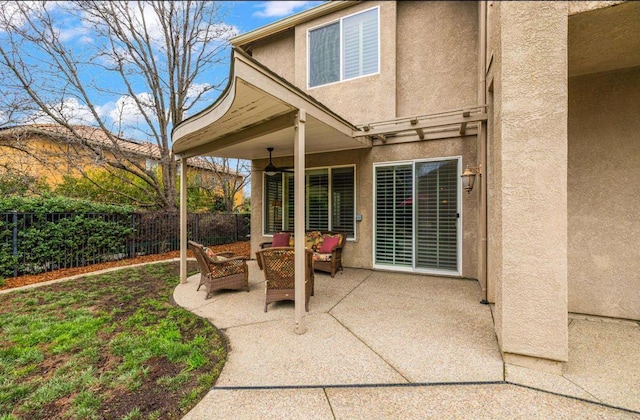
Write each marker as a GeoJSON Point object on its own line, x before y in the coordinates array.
{"type": "Point", "coordinates": [239, 248]}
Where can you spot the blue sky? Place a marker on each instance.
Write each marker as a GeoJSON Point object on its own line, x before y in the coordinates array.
{"type": "Point", "coordinates": [249, 15]}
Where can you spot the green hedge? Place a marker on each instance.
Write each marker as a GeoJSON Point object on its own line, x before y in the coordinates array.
{"type": "Point", "coordinates": [57, 204]}
{"type": "Point", "coordinates": [59, 232]}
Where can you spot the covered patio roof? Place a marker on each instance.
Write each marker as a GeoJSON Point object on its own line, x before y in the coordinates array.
{"type": "Point", "coordinates": [257, 110]}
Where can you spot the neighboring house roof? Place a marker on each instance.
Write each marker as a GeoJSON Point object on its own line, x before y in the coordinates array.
{"type": "Point", "coordinates": [98, 137]}
{"type": "Point", "coordinates": [290, 22]}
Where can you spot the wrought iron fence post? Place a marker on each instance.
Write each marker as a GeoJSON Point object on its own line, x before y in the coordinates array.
{"type": "Point", "coordinates": [237, 233]}
{"type": "Point", "coordinates": [132, 251]}
{"type": "Point", "coordinates": [196, 227]}
{"type": "Point", "coordinates": [15, 243]}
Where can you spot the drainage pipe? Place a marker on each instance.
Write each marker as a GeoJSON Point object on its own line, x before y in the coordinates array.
{"type": "Point", "coordinates": [482, 150]}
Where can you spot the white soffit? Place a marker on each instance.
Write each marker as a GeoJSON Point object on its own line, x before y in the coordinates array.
{"type": "Point", "coordinates": [257, 110]}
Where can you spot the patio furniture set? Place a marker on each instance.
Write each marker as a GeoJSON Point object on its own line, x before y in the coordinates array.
{"type": "Point", "coordinates": [224, 270]}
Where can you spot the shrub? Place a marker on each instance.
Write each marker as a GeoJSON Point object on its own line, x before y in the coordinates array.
{"type": "Point", "coordinates": [57, 232]}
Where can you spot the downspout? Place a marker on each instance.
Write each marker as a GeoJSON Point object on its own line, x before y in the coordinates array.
{"type": "Point", "coordinates": [482, 134]}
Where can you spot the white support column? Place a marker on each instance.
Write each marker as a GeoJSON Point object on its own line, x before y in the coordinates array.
{"type": "Point", "coordinates": [183, 220]}
{"type": "Point", "coordinates": [299, 168]}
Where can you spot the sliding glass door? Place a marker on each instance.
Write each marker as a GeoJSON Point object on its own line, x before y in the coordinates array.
{"type": "Point", "coordinates": [417, 216]}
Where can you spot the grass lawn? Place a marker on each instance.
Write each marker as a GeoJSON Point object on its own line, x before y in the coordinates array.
{"type": "Point", "coordinates": [110, 346]}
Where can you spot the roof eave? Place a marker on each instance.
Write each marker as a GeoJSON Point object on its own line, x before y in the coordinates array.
{"type": "Point", "coordinates": [290, 22]}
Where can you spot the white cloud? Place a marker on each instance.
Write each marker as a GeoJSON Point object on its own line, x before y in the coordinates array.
{"type": "Point", "coordinates": [12, 14]}
{"type": "Point", "coordinates": [223, 31]}
{"type": "Point", "coordinates": [70, 110]}
{"type": "Point", "coordinates": [127, 111]}
{"type": "Point", "coordinates": [77, 32]}
{"type": "Point", "coordinates": [281, 8]}
{"type": "Point", "coordinates": [197, 88]}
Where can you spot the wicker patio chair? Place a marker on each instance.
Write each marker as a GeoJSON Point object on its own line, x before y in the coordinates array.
{"type": "Point", "coordinates": [228, 273]}
{"type": "Point", "coordinates": [278, 265]}
{"type": "Point", "coordinates": [332, 261]}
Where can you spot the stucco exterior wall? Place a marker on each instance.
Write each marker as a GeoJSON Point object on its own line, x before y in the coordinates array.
{"type": "Point", "coordinates": [359, 253]}
{"type": "Point", "coordinates": [532, 296]}
{"type": "Point", "coordinates": [604, 199]}
{"type": "Point", "coordinates": [364, 99]}
{"type": "Point", "coordinates": [576, 7]}
{"type": "Point", "coordinates": [278, 54]}
{"type": "Point", "coordinates": [437, 56]}
{"type": "Point", "coordinates": [493, 171]}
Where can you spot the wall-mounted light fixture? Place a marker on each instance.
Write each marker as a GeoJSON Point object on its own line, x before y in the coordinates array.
{"type": "Point", "coordinates": [469, 177]}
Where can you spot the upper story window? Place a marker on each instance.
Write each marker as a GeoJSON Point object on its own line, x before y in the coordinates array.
{"type": "Point", "coordinates": [344, 49]}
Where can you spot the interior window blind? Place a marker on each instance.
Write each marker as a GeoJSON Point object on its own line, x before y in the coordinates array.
{"type": "Point", "coordinates": [324, 55]}
{"type": "Point", "coordinates": [317, 192]}
{"type": "Point", "coordinates": [289, 202]}
{"type": "Point", "coordinates": [436, 215]}
{"type": "Point", "coordinates": [273, 203]}
{"type": "Point", "coordinates": [343, 200]}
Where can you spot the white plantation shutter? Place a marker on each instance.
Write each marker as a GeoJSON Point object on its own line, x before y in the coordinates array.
{"type": "Point", "coordinates": [289, 203]}
{"type": "Point", "coordinates": [437, 215]}
{"type": "Point", "coordinates": [416, 209]}
{"type": "Point", "coordinates": [343, 200]}
{"type": "Point", "coordinates": [317, 191]}
{"type": "Point", "coordinates": [273, 203]}
{"type": "Point", "coordinates": [320, 185]}
{"type": "Point", "coordinates": [360, 44]}
{"type": "Point", "coordinates": [394, 215]}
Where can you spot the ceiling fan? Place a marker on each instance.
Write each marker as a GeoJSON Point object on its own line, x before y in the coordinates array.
{"type": "Point", "coordinates": [272, 169]}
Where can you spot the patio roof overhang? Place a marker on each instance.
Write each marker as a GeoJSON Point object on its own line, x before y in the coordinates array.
{"type": "Point", "coordinates": [258, 110]}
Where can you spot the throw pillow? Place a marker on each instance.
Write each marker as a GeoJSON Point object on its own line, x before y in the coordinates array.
{"type": "Point", "coordinates": [280, 239]}
{"type": "Point", "coordinates": [328, 244]}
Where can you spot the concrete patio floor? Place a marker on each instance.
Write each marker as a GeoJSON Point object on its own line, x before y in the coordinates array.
{"type": "Point", "coordinates": [392, 345]}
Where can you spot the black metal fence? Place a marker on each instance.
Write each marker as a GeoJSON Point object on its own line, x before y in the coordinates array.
{"type": "Point", "coordinates": [37, 242]}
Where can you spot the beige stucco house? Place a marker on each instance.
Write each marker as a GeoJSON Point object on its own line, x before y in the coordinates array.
{"type": "Point", "coordinates": [378, 107]}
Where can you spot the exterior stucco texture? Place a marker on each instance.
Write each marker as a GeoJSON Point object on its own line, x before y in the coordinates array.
{"type": "Point", "coordinates": [604, 197]}
{"type": "Point", "coordinates": [531, 299]}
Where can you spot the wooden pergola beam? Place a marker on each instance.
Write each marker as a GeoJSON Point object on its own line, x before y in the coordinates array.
{"type": "Point", "coordinates": [420, 125]}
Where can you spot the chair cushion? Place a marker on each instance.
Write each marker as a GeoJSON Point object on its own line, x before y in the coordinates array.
{"type": "Point", "coordinates": [328, 244]}
{"type": "Point", "coordinates": [321, 257]}
{"type": "Point", "coordinates": [215, 257]}
{"type": "Point", "coordinates": [280, 239]}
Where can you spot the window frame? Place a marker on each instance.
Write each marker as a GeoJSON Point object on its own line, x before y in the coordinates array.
{"type": "Point", "coordinates": [341, 49]}
{"type": "Point", "coordinates": [330, 199]}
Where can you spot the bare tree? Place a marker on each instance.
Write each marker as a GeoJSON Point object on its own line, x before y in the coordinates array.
{"type": "Point", "coordinates": [61, 62]}
{"type": "Point", "coordinates": [232, 176]}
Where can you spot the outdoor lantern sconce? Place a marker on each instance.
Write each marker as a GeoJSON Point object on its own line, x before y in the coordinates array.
{"type": "Point", "coordinates": [469, 177]}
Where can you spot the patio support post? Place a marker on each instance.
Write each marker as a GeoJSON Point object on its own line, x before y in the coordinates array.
{"type": "Point", "coordinates": [299, 168]}
{"type": "Point", "coordinates": [530, 188]}
{"type": "Point", "coordinates": [183, 220]}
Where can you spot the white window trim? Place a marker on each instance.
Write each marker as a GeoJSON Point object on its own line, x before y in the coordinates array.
{"type": "Point", "coordinates": [355, 200]}
{"type": "Point", "coordinates": [342, 79]}
{"type": "Point", "coordinates": [413, 269]}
